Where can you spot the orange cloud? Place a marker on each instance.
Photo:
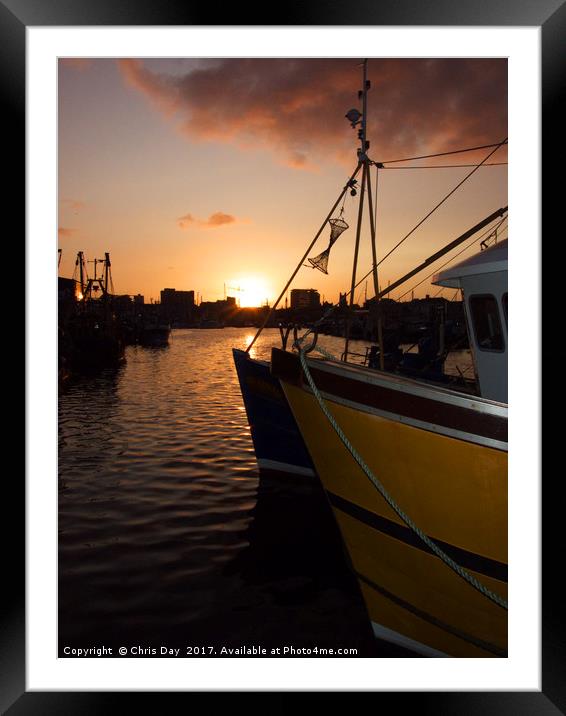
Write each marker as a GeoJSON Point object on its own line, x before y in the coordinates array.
{"type": "Point", "coordinates": [213, 221]}
{"type": "Point", "coordinates": [296, 107]}
{"type": "Point", "coordinates": [73, 204]}
{"type": "Point", "coordinates": [219, 219]}
{"type": "Point", "coordinates": [65, 233]}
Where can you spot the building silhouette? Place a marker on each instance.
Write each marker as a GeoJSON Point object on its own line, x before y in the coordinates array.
{"type": "Point", "coordinates": [305, 298]}
{"type": "Point", "coordinates": [177, 306]}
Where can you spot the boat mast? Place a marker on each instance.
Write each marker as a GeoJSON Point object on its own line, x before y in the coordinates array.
{"type": "Point", "coordinates": [366, 184]}
{"type": "Point", "coordinates": [364, 161]}
{"type": "Point", "coordinates": [374, 260]}
{"type": "Point", "coordinates": [108, 285]}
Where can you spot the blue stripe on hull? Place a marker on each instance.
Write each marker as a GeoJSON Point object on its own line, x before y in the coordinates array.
{"type": "Point", "coordinates": [274, 432]}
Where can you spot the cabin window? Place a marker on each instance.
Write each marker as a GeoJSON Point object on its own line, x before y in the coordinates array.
{"type": "Point", "coordinates": [486, 322]}
{"type": "Point", "coordinates": [504, 301]}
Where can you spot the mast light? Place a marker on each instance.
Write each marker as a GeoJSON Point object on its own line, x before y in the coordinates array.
{"type": "Point", "coordinates": [354, 117]}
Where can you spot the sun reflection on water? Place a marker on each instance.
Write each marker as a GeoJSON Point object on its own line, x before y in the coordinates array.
{"type": "Point", "coordinates": [253, 352]}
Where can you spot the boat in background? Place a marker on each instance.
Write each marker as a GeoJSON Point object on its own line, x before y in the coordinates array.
{"type": "Point", "coordinates": [90, 335]}
{"type": "Point", "coordinates": [154, 335]}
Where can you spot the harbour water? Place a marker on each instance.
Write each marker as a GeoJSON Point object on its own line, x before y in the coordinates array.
{"type": "Point", "coordinates": [168, 535]}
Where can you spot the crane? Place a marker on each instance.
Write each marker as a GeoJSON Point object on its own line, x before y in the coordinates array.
{"type": "Point", "coordinates": [232, 288]}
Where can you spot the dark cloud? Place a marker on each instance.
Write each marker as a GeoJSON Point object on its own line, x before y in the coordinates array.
{"type": "Point", "coordinates": [76, 63]}
{"type": "Point", "coordinates": [297, 106]}
{"type": "Point", "coordinates": [213, 221]}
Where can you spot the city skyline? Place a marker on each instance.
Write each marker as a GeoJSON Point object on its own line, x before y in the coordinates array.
{"type": "Point", "coordinates": [205, 174]}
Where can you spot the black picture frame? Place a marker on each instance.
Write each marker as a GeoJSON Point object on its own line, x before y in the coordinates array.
{"type": "Point", "coordinates": [550, 16]}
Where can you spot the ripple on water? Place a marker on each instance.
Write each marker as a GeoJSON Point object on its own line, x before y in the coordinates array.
{"type": "Point", "coordinates": [161, 532]}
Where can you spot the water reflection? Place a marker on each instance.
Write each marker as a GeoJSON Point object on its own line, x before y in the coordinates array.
{"type": "Point", "coordinates": [167, 533]}
{"type": "Point", "coordinates": [296, 570]}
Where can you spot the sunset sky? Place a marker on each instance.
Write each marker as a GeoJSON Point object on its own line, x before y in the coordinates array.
{"type": "Point", "coordinates": [195, 174]}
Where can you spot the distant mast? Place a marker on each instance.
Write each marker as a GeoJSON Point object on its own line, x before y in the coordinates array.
{"type": "Point", "coordinates": [80, 264]}
{"type": "Point", "coordinates": [107, 279]}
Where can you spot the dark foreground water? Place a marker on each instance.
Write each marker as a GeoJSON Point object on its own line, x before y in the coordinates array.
{"type": "Point", "coordinates": [168, 535]}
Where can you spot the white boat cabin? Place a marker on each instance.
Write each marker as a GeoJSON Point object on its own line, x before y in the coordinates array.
{"type": "Point", "coordinates": [483, 280]}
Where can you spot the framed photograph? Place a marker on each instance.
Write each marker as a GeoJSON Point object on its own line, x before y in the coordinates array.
{"type": "Point", "coordinates": [95, 97]}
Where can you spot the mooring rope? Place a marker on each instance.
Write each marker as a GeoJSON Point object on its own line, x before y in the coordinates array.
{"type": "Point", "coordinates": [473, 581]}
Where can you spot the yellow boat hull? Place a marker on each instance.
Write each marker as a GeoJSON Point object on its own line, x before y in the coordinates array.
{"type": "Point", "coordinates": [453, 489]}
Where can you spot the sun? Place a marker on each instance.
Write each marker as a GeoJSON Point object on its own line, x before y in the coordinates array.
{"type": "Point", "coordinates": [249, 291]}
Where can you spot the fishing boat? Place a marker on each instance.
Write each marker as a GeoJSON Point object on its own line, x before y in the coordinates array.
{"type": "Point", "coordinates": [439, 458]}
{"type": "Point", "coordinates": [154, 334]}
{"type": "Point", "coordinates": [279, 447]}
{"type": "Point", "coordinates": [94, 336]}
{"type": "Point", "coordinates": [414, 463]}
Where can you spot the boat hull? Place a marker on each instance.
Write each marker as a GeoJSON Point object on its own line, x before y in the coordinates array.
{"type": "Point", "coordinates": [278, 444]}
{"type": "Point", "coordinates": [92, 343]}
{"type": "Point", "coordinates": [154, 336]}
{"type": "Point", "coordinates": [442, 456]}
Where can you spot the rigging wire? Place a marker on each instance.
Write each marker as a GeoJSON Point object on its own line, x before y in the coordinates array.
{"type": "Point", "coordinates": [441, 202]}
{"type": "Point", "coordinates": [442, 288]}
{"type": "Point", "coordinates": [342, 207]}
{"type": "Point", "coordinates": [443, 154]}
{"type": "Point", "coordinates": [450, 166]}
{"type": "Point", "coordinates": [378, 166]}
{"type": "Point", "coordinates": [488, 232]}
{"type": "Point", "coordinates": [476, 167]}
{"type": "Point", "coordinates": [431, 212]}
{"type": "Point", "coordinates": [333, 307]}
{"type": "Point", "coordinates": [375, 199]}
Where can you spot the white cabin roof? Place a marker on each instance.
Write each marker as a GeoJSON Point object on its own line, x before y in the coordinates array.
{"type": "Point", "coordinates": [490, 260]}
